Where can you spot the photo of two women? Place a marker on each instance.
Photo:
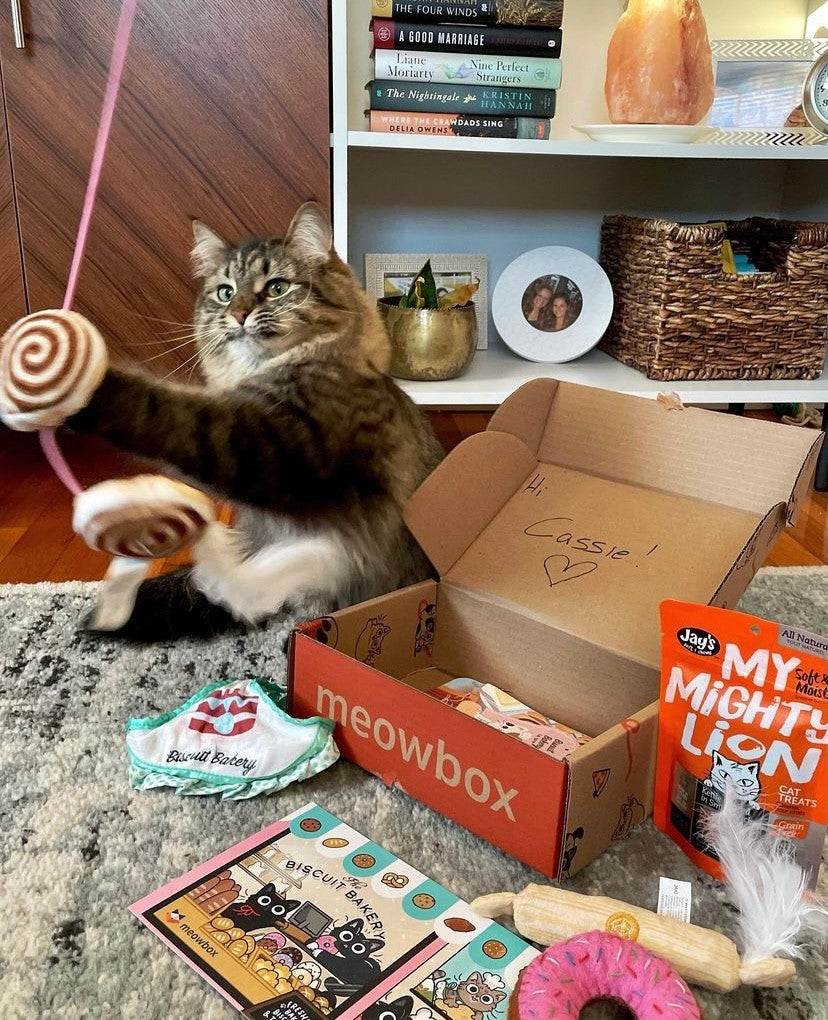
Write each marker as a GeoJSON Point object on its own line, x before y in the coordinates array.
{"type": "Point", "coordinates": [551, 303]}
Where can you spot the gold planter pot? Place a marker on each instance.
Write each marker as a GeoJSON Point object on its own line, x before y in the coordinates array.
{"type": "Point", "coordinates": [429, 343]}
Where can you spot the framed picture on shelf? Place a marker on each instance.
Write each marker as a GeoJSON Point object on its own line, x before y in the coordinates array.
{"type": "Point", "coordinates": [552, 304]}
{"type": "Point", "coordinates": [758, 97]}
{"type": "Point", "coordinates": [390, 275]}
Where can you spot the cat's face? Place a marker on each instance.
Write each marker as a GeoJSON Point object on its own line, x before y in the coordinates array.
{"type": "Point", "coordinates": [744, 778]}
{"type": "Point", "coordinates": [477, 995]}
{"type": "Point", "coordinates": [270, 906]}
{"type": "Point", "coordinates": [399, 1009]}
{"type": "Point", "coordinates": [351, 940]}
{"type": "Point", "coordinates": [258, 298]}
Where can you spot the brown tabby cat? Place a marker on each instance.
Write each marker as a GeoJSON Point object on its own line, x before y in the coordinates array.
{"type": "Point", "coordinates": [299, 425]}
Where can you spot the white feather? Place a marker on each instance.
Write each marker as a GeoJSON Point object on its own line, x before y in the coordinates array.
{"type": "Point", "coordinates": [255, 587]}
{"type": "Point", "coordinates": [777, 913]}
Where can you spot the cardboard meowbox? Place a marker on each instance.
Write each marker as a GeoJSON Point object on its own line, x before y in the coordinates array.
{"type": "Point", "coordinates": [556, 534]}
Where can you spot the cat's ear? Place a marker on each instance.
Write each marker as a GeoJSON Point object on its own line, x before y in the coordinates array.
{"type": "Point", "coordinates": [753, 766]}
{"type": "Point", "coordinates": [717, 759]}
{"type": "Point", "coordinates": [268, 890]}
{"type": "Point", "coordinates": [309, 234]}
{"type": "Point", "coordinates": [475, 977]}
{"type": "Point", "coordinates": [291, 905]}
{"type": "Point", "coordinates": [372, 945]}
{"type": "Point", "coordinates": [209, 250]}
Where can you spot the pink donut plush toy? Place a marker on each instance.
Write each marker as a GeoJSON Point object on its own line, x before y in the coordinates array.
{"type": "Point", "coordinates": [598, 965]}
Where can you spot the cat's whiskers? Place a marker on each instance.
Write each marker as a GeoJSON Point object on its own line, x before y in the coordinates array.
{"type": "Point", "coordinates": [168, 350]}
{"type": "Point", "coordinates": [165, 322]}
{"type": "Point", "coordinates": [212, 344]}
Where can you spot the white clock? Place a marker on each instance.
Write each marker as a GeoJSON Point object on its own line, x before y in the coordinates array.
{"type": "Point", "coordinates": [815, 95]}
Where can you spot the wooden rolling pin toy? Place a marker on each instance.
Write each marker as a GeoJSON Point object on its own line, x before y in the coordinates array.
{"type": "Point", "coordinates": [546, 915]}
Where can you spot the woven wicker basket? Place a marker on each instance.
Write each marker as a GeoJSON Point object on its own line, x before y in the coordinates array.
{"type": "Point", "coordinates": [679, 316]}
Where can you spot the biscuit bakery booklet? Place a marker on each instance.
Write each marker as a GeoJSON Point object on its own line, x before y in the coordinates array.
{"type": "Point", "coordinates": [308, 919]}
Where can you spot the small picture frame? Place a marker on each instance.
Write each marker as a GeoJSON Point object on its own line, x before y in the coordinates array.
{"type": "Point", "coordinates": [552, 304]}
{"type": "Point", "coordinates": [758, 91]}
{"type": "Point", "coordinates": [387, 275]}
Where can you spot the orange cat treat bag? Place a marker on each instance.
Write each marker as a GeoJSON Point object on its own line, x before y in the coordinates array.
{"type": "Point", "coordinates": [744, 702]}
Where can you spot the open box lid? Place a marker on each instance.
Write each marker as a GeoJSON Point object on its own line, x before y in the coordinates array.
{"type": "Point", "coordinates": [585, 508]}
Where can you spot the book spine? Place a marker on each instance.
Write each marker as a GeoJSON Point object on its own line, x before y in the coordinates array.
{"type": "Point", "coordinates": [492, 39]}
{"type": "Point", "coordinates": [401, 95]}
{"type": "Point", "coordinates": [540, 13]}
{"type": "Point", "coordinates": [414, 123]}
{"type": "Point", "coordinates": [467, 68]}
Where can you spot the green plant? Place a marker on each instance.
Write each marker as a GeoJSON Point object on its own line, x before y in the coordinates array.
{"type": "Point", "coordinates": [423, 292]}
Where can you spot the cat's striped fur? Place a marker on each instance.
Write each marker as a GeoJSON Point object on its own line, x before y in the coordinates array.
{"type": "Point", "coordinates": [298, 425]}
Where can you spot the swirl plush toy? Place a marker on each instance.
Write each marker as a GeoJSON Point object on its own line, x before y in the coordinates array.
{"type": "Point", "coordinates": [50, 365]}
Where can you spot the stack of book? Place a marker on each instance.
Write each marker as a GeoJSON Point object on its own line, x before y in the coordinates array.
{"type": "Point", "coordinates": [465, 67]}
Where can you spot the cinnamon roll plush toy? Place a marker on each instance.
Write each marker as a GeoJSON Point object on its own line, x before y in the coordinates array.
{"type": "Point", "coordinates": [51, 362]}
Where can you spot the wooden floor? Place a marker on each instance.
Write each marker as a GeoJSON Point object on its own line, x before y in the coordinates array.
{"type": "Point", "coordinates": [37, 542]}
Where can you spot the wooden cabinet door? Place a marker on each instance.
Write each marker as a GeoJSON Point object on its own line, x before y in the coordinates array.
{"type": "Point", "coordinates": [223, 117]}
{"type": "Point", "coordinates": [12, 293]}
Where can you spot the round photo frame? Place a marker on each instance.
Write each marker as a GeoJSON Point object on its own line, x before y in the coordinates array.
{"type": "Point", "coordinates": [552, 304]}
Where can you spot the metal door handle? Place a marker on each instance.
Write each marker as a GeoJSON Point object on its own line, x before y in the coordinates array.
{"type": "Point", "coordinates": [17, 24]}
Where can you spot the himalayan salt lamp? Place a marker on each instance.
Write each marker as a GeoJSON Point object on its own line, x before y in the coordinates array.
{"type": "Point", "coordinates": [659, 65]}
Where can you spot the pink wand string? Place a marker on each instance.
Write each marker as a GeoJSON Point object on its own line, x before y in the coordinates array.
{"type": "Point", "coordinates": [48, 440]}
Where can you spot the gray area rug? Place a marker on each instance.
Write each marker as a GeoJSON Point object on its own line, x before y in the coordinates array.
{"type": "Point", "coordinates": [78, 845]}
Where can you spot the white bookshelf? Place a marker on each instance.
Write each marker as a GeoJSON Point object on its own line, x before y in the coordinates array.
{"type": "Point", "coordinates": [395, 193]}
{"type": "Point", "coordinates": [566, 147]}
{"type": "Point", "coordinates": [496, 372]}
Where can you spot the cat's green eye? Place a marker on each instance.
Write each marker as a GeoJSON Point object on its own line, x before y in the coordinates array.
{"type": "Point", "coordinates": [224, 292]}
{"type": "Point", "coordinates": [276, 288]}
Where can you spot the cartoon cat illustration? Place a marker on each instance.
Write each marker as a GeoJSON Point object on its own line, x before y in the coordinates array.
{"type": "Point", "coordinates": [424, 634]}
{"type": "Point", "coordinates": [399, 1009]}
{"type": "Point", "coordinates": [742, 776]}
{"type": "Point", "coordinates": [371, 637]}
{"type": "Point", "coordinates": [481, 993]}
{"type": "Point", "coordinates": [327, 631]}
{"type": "Point", "coordinates": [322, 943]}
{"type": "Point", "coordinates": [632, 813]}
{"type": "Point", "coordinates": [351, 964]}
{"type": "Point", "coordinates": [263, 909]}
{"type": "Point", "coordinates": [571, 843]}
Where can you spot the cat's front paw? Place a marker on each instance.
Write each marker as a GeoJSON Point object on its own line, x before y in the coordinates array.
{"type": "Point", "coordinates": [168, 608]}
{"type": "Point", "coordinates": [51, 363]}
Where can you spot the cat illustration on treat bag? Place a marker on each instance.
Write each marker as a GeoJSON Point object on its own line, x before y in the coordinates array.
{"type": "Point", "coordinates": [743, 777]}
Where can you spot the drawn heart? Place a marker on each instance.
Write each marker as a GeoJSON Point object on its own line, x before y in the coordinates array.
{"type": "Point", "coordinates": [560, 568]}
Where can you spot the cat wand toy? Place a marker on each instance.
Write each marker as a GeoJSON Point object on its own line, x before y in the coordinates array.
{"type": "Point", "coordinates": [51, 363]}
